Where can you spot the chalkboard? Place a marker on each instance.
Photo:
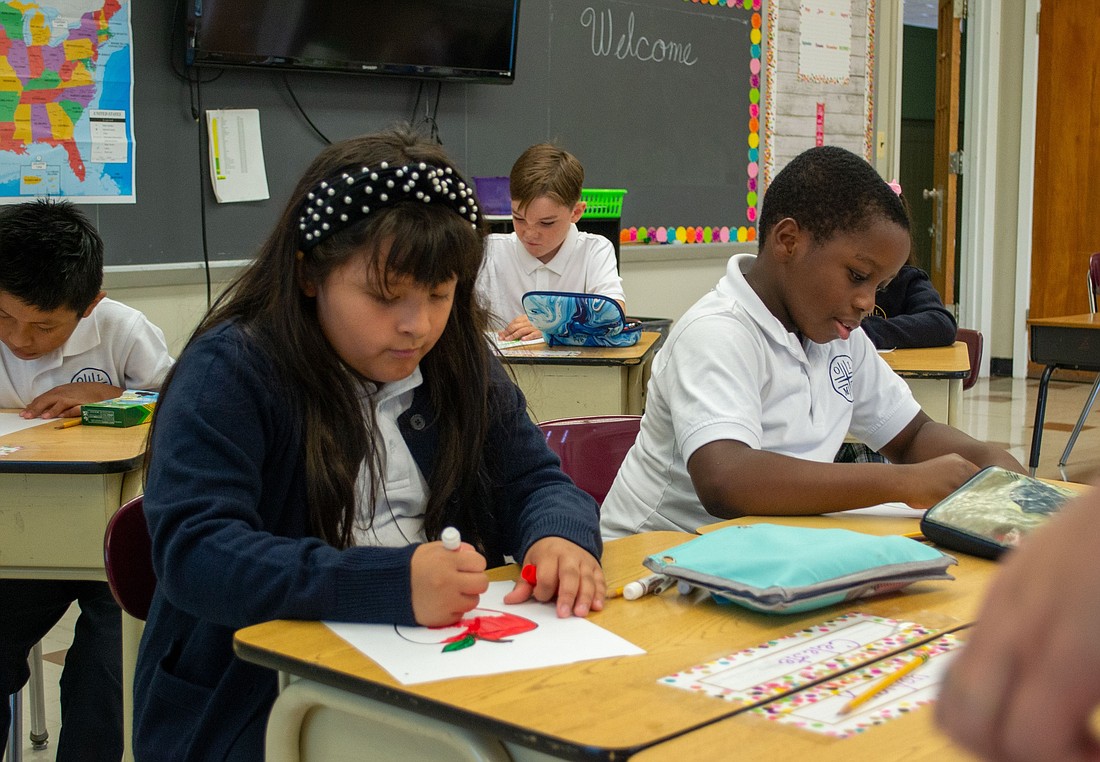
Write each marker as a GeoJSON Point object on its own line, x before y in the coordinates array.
{"type": "Point", "coordinates": [655, 96]}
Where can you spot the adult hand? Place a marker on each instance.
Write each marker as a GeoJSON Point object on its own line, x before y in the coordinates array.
{"type": "Point", "coordinates": [1025, 686]}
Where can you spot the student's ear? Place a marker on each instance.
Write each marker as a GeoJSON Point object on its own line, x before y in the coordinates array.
{"type": "Point", "coordinates": [578, 210]}
{"type": "Point", "coordinates": [787, 236]}
{"type": "Point", "coordinates": [97, 300]}
{"type": "Point", "coordinates": [309, 288]}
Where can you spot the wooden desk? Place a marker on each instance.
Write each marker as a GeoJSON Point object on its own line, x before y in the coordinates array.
{"type": "Point", "coordinates": [1060, 342]}
{"type": "Point", "coordinates": [562, 382]}
{"type": "Point", "coordinates": [912, 738]}
{"type": "Point", "coordinates": [57, 493]}
{"type": "Point", "coordinates": [856, 522]}
{"type": "Point", "coordinates": [605, 709]}
{"type": "Point", "coordinates": [935, 374]}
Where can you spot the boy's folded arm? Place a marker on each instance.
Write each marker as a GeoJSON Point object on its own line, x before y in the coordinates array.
{"type": "Point", "coordinates": [734, 480]}
{"type": "Point", "coordinates": [924, 439]}
{"type": "Point", "coordinates": [65, 400]}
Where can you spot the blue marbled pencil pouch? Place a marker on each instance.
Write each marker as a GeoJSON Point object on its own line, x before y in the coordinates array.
{"type": "Point", "coordinates": [580, 320]}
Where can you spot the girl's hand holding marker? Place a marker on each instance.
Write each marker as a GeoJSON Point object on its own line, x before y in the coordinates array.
{"type": "Point", "coordinates": [448, 578]}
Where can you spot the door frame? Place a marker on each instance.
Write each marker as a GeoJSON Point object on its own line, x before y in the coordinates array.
{"type": "Point", "coordinates": [1029, 90]}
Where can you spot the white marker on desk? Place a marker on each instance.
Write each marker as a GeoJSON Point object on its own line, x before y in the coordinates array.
{"type": "Point", "coordinates": [451, 538]}
{"type": "Point", "coordinates": [654, 583]}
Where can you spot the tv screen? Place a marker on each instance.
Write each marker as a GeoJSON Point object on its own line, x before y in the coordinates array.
{"type": "Point", "coordinates": [428, 39]}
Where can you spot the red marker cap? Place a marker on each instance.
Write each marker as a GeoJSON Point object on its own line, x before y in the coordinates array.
{"type": "Point", "coordinates": [529, 575]}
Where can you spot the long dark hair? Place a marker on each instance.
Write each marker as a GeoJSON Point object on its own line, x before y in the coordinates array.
{"type": "Point", "coordinates": [429, 243]}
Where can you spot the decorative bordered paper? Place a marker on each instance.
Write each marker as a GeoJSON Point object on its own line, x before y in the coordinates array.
{"type": "Point", "coordinates": [803, 658]}
{"type": "Point", "coordinates": [818, 708]}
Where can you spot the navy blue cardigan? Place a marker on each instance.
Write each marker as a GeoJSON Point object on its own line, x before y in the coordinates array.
{"type": "Point", "coordinates": [225, 501]}
{"type": "Point", "coordinates": [909, 313]}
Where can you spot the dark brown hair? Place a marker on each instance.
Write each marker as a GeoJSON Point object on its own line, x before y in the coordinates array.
{"type": "Point", "coordinates": [427, 242]}
{"type": "Point", "coordinates": [545, 169]}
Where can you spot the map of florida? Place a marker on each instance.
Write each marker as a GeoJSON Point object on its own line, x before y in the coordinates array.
{"type": "Point", "coordinates": [44, 88]}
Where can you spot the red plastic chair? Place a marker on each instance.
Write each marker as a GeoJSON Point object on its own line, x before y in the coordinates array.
{"type": "Point", "coordinates": [592, 448]}
{"type": "Point", "coordinates": [1094, 280]}
{"type": "Point", "coordinates": [974, 342]}
{"type": "Point", "coordinates": [128, 558]}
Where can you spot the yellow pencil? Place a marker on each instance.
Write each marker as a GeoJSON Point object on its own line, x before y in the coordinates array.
{"type": "Point", "coordinates": [914, 535]}
{"type": "Point", "coordinates": [881, 685]}
{"type": "Point", "coordinates": [69, 423]}
{"type": "Point", "coordinates": [614, 592]}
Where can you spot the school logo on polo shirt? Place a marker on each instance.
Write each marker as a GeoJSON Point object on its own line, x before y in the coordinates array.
{"type": "Point", "coordinates": [840, 372]}
{"type": "Point", "coordinates": [91, 375]}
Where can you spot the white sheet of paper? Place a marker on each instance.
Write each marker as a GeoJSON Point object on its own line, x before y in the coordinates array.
{"type": "Point", "coordinates": [416, 655]}
{"type": "Point", "coordinates": [883, 509]}
{"type": "Point", "coordinates": [237, 169]}
{"type": "Point", "coordinates": [13, 422]}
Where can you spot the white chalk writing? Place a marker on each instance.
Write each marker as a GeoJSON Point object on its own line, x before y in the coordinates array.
{"type": "Point", "coordinates": [641, 48]}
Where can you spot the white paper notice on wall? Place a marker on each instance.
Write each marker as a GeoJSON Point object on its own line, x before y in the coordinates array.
{"type": "Point", "coordinates": [236, 155]}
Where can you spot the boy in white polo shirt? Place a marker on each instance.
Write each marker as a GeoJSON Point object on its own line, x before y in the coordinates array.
{"type": "Point", "coordinates": [63, 344]}
{"type": "Point", "coordinates": [760, 381]}
{"type": "Point", "coordinates": [546, 252]}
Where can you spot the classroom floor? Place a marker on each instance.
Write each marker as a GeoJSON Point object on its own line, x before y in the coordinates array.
{"type": "Point", "coordinates": [1000, 410]}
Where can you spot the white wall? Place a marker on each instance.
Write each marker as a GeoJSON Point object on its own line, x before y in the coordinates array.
{"type": "Point", "coordinates": [663, 281]}
{"type": "Point", "coordinates": [660, 282]}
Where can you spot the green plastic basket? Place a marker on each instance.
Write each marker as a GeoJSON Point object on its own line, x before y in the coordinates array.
{"type": "Point", "coordinates": [603, 203]}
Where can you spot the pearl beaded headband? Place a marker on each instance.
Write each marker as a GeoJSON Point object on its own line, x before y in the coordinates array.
{"type": "Point", "coordinates": [335, 204]}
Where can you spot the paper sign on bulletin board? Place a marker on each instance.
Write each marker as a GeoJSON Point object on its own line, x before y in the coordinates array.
{"type": "Point", "coordinates": [821, 57]}
{"type": "Point", "coordinates": [237, 169]}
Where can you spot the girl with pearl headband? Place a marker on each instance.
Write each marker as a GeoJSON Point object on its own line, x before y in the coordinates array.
{"type": "Point", "coordinates": [337, 408]}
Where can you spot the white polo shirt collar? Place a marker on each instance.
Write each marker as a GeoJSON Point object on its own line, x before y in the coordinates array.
{"type": "Point", "coordinates": [736, 288]}
{"type": "Point", "coordinates": [556, 265]}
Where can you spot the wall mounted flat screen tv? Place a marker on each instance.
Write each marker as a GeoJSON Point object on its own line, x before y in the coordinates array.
{"type": "Point", "coordinates": [471, 40]}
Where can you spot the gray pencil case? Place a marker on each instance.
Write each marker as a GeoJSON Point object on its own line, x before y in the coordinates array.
{"type": "Point", "coordinates": [783, 569]}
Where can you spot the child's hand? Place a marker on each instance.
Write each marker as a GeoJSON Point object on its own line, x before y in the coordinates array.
{"type": "Point", "coordinates": [64, 401]}
{"type": "Point", "coordinates": [520, 329]}
{"type": "Point", "coordinates": [931, 481]}
{"type": "Point", "coordinates": [564, 570]}
{"type": "Point", "coordinates": [445, 583]}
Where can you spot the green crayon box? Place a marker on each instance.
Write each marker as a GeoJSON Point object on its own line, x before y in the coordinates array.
{"type": "Point", "coordinates": [133, 407]}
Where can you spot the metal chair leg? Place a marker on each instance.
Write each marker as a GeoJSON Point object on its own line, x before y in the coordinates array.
{"type": "Point", "coordinates": [15, 734]}
{"type": "Point", "coordinates": [39, 735]}
{"type": "Point", "coordinates": [1080, 421]}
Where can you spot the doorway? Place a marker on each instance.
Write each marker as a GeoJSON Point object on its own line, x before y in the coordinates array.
{"type": "Point", "coordinates": [925, 190]}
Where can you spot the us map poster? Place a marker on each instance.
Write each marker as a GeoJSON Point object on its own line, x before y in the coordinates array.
{"type": "Point", "coordinates": [66, 101]}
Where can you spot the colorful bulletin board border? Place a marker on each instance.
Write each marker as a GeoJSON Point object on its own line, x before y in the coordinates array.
{"type": "Point", "coordinates": [746, 231]}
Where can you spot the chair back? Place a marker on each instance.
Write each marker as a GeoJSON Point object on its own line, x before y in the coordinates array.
{"type": "Point", "coordinates": [1094, 280]}
{"type": "Point", "coordinates": [128, 558]}
{"type": "Point", "coordinates": [974, 341]}
{"type": "Point", "coordinates": [592, 448]}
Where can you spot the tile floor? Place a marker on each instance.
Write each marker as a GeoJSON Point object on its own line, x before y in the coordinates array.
{"type": "Point", "coordinates": [998, 410]}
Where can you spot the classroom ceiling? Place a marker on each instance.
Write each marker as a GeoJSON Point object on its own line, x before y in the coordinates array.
{"type": "Point", "coordinates": [921, 13]}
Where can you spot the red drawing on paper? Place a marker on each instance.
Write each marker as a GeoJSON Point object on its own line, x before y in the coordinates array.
{"type": "Point", "coordinates": [479, 624]}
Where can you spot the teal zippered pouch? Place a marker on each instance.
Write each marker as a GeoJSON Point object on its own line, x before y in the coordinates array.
{"type": "Point", "coordinates": [784, 569]}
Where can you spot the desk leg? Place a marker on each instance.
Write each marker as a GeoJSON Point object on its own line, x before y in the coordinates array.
{"type": "Point", "coordinates": [954, 401]}
{"type": "Point", "coordinates": [131, 639]}
{"type": "Point", "coordinates": [1040, 414]}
